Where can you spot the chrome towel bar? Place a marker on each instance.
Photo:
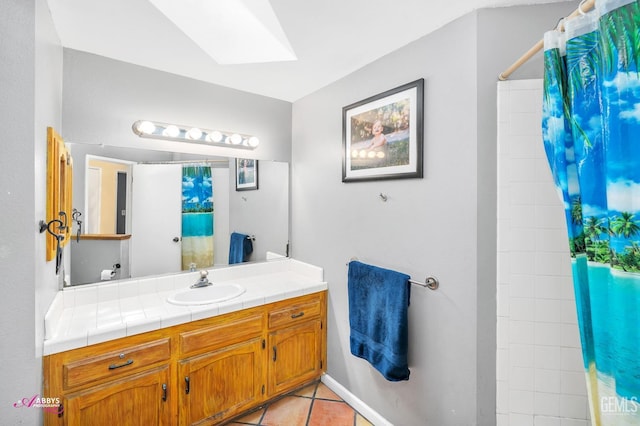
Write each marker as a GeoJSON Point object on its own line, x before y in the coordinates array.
{"type": "Point", "coordinates": [431, 282]}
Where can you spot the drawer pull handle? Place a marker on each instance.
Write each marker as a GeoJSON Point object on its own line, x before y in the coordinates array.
{"type": "Point", "coordinates": [188, 385]}
{"type": "Point", "coordinates": [298, 315]}
{"type": "Point", "coordinates": [124, 364]}
{"type": "Point", "coordinates": [275, 353]}
{"type": "Point", "coordinates": [164, 391]}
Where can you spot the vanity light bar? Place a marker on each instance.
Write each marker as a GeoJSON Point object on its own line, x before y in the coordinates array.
{"type": "Point", "coordinates": [174, 132]}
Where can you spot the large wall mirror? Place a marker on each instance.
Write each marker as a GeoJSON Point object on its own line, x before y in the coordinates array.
{"type": "Point", "coordinates": [128, 211]}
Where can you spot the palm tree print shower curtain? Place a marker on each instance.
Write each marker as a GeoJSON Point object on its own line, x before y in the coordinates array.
{"type": "Point", "coordinates": [591, 132]}
{"type": "Point", "coordinates": [197, 217]}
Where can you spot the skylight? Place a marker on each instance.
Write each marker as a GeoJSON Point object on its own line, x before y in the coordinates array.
{"type": "Point", "coordinates": [231, 31]}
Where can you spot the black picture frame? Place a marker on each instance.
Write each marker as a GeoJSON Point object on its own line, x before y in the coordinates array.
{"type": "Point", "coordinates": [382, 136]}
{"type": "Point", "coordinates": [246, 174]}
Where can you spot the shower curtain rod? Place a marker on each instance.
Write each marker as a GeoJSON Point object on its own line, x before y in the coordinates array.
{"type": "Point", "coordinates": [584, 6]}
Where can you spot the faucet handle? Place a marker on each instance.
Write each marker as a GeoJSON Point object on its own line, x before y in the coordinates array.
{"type": "Point", "coordinates": [203, 274]}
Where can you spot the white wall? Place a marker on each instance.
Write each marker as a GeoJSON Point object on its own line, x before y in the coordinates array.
{"type": "Point", "coordinates": [30, 93]}
{"type": "Point", "coordinates": [540, 375]}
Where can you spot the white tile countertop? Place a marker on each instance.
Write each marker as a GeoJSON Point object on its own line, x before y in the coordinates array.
{"type": "Point", "coordinates": [94, 313]}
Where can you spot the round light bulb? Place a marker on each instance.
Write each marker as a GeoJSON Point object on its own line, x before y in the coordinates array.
{"type": "Point", "coordinates": [254, 141]}
{"type": "Point", "coordinates": [171, 131]}
{"type": "Point", "coordinates": [236, 139]}
{"type": "Point", "coordinates": [215, 136]}
{"type": "Point", "coordinates": [146, 127]}
{"type": "Point", "coordinates": [194, 133]}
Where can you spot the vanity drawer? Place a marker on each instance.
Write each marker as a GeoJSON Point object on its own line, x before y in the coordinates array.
{"type": "Point", "coordinates": [294, 313]}
{"type": "Point", "coordinates": [116, 363]}
{"type": "Point", "coordinates": [228, 330]}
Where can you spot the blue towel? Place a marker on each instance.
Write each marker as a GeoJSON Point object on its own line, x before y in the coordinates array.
{"type": "Point", "coordinates": [240, 248]}
{"type": "Point", "coordinates": [378, 308]}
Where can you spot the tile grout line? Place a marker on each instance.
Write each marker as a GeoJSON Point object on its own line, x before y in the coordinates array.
{"type": "Point", "coordinates": [264, 413]}
{"type": "Point", "coordinates": [313, 399]}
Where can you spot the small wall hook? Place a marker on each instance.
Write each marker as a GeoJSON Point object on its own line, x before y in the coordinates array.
{"type": "Point", "coordinates": [383, 197]}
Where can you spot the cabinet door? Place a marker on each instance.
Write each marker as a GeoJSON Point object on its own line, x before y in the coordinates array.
{"type": "Point", "coordinates": [295, 356]}
{"type": "Point", "coordinates": [142, 399]}
{"type": "Point", "coordinates": [220, 384]}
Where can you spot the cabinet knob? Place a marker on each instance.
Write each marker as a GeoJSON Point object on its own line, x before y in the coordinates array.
{"type": "Point", "coordinates": [176, 239]}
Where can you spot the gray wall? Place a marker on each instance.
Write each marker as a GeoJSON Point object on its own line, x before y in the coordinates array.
{"type": "Point", "coordinates": [427, 226]}
{"type": "Point", "coordinates": [504, 34]}
{"type": "Point", "coordinates": [263, 213]}
{"type": "Point", "coordinates": [442, 225]}
{"type": "Point", "coordinates": [104, 97]}
{"type": "Point", "coordinates": [31, 92]}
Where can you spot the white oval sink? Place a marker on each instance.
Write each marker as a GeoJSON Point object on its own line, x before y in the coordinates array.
{"type": "Point", "coordinates": [205, 295]}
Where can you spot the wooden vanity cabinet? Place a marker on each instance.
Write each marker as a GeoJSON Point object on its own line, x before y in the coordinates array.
{"type": "Point", "coordinates": [202, 372]}
{"type": "Point", "coordinates": [297, 338]}
{"type": "Point", "coordinates": [220, 373]}
{"type": "Point", "coordinates": [137, 400]}
{"type": "Point", "coordinates": [124, 382]}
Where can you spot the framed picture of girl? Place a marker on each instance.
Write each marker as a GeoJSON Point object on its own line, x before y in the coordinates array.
{"type": "Point", "coordinates": [246, 174]}
{"type": "Point", "coordinates": [382, 136]}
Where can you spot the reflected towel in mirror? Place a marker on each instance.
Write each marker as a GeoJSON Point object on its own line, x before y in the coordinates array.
{"type": "Point", "coordinates": [240, 248]}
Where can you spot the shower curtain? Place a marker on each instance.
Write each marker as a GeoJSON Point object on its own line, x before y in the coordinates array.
{"type": "Point", "coordinates": [591, 132]}
{"type": "Point", "coordinates": [197, 217]}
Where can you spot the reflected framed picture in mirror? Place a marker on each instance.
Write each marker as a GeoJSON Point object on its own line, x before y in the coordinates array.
{"type": "Point", "coordinates": [246, 174]}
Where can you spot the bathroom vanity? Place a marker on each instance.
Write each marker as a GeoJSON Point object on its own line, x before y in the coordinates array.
{"type": "Point", "coordinates": [193, 364]}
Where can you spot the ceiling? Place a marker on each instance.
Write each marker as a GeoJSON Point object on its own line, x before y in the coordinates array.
{"type": "Point", "coordinates": [331, 38]}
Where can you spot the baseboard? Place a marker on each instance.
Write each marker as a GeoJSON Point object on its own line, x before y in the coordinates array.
{"type": "Point", "coordinates": [372, 415]}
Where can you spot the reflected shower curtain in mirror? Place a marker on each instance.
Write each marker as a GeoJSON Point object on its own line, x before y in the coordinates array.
{"type": "Point", "coordinates": [591, 132]}
{"type": "Point", "coordinates": [197, 217]}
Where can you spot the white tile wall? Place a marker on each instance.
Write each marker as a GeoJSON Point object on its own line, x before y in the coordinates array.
{"type": "Point", "coordinates": [540, 379]}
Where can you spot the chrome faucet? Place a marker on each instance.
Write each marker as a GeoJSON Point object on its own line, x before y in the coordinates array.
{"type": "Point", "coordinates": [203, 281]}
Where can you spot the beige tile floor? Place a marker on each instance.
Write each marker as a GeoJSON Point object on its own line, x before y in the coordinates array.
{"type": "Point", "coordinates": [313, 405]}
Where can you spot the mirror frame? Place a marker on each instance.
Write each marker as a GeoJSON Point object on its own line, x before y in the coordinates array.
{"type": "Point", "coordinates": [59, 190]}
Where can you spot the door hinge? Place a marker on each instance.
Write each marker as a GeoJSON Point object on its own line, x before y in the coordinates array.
{"type": "Point", "coordinates": [264, 344]}
{"type": "Point", "coordinates": [321, 364]}
{"type": "Point", "coordinates": [263, 389]}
